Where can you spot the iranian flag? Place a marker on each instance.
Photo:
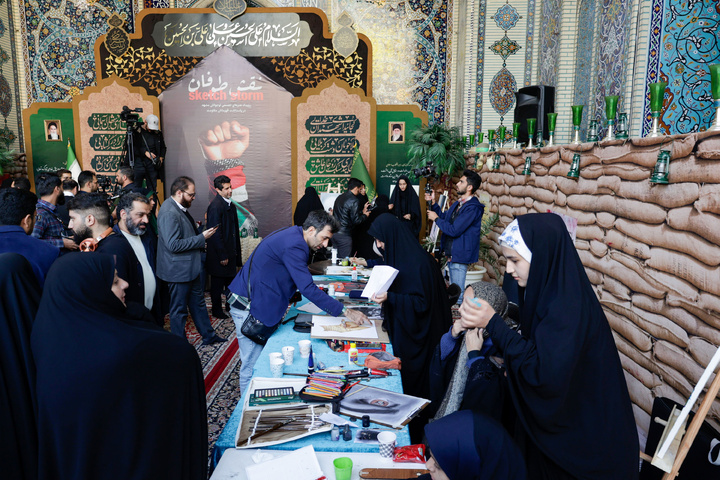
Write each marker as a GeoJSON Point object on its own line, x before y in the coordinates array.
{"type": "Point", "coordinates": [72, 163]}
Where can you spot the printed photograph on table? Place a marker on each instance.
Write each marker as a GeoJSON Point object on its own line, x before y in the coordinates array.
{"type": "Point", "coordinates": [339, 327]}
{"type": "Point", "coordinates": [53, 128]}
{"type": "Point", "coordinates": [396, 132]}
{"type": "Point", "coordinates": [383, 406]}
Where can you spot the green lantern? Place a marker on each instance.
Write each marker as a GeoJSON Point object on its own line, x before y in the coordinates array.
{"type": "Point", "coordinates": [662, 168]}
{"type": "Point", "coordinates": [528, 163]}
{"type": "Point", "coordinates": [622, 126]}
{"type": "Point", "coordinates": [593, 131]}
{"type": "Point", "coordinates": [574, 167]}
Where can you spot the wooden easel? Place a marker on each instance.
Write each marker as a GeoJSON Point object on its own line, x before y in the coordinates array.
{"type": "Point", "coordinates": [674, 446]}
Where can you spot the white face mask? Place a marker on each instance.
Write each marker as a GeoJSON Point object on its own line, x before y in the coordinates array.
{"type": "Point", "coordinates": [377, 250]}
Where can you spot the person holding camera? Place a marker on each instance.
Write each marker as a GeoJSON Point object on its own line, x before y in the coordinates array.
{"type": "Point", "coordinates": [460, 225]}
{"type": "Point", "coordinates": [150, 147]}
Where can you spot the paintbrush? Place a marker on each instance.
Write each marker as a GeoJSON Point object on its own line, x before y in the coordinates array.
{"type": "Point", "coordinates": [268, 430]}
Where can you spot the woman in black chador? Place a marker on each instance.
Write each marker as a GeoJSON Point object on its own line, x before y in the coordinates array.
{"type": "Point", "coordinates": [405, 205]}
{"type": "Point", "coordinates": [118, 397]}
{"type": "Point", "coordinates": [416, 308]}
{"type": "Point", "coordinates": [563, 369]}
{"type": "Point", "coordinates": [20, 294]}
{"type": "Point", "coordinates": [309, 202]}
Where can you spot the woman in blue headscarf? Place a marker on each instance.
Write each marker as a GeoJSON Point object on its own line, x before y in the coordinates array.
{"type": "Point", "coordinates": [468, 445]}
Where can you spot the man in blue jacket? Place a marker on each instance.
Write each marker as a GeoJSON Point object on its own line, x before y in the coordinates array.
{"type": "Point", "coordinates": [460, 226]}
{"type": "Point", "coordinates": [17, 217]}
{"type": "Point", "coordinates": [276, 269]}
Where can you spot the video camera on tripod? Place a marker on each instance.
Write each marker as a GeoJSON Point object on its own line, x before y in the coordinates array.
{"type": "Point", "coordinates": [131, 119]}
{"type": "Point", "coordinates": [428, 172]}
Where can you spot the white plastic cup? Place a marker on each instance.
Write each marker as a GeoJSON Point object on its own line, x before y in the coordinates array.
{"type": "Point", "coordinates": [275, 355]}
{"type": "Point", "coordinates": [387, 445]}
{"type": "Point", "coordinates": [288, 355]}
{"type": "Point", "coordinates": [277, 366]}
{"type": "Point", "coordinates": [333, 258]}
{"type": "Point", "coordinates": [304, 348]}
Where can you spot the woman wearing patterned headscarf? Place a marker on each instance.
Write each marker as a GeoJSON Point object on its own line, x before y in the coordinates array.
{"type": "Point", "coordinates": [463, 368]}
{"type": "Point", "coordinates": [563, 369]}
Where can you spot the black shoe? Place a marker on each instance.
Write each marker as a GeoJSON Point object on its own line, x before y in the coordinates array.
{"type": "Point", "coordinates": [221, 315]}
{"type": "Point", "coordinates": [214, 339]}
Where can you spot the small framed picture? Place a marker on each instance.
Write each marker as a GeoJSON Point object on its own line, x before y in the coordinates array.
{"type": "Point", "coordinates": [53, 130]}
{"type": "Point", "coordinates": [396, 132]}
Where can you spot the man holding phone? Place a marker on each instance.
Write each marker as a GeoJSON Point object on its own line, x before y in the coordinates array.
{"type": "Point", "coordinates": [223, 249]}
{"type": "Point", "coordinates": [179, 261]}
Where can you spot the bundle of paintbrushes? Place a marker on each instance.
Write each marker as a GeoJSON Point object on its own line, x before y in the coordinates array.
{"type": "Point", "coordinates": [324, 387]}
{"type": "Point", "coordinates": [276, 425]}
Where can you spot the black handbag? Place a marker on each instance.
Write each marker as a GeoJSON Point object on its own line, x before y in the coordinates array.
{"type": "Point", "coordinates": [253, 328]}
{"type": "Point", "coordinates": [257, 331]}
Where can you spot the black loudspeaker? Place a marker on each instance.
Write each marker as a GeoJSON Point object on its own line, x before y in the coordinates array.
{"type": "Point", "coordinates": [534, 102]}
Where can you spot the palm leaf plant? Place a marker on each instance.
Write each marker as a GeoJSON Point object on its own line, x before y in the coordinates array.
{"type": "Point", "coordinates": [437, 145]}
{"type": "Point", "coordinates": [7, 159]}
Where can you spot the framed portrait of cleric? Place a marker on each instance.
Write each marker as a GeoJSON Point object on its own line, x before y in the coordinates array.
{"type": "Point", "coordinates": [396, 132]}
{"type": "Point", "coordinates": [53, 130]}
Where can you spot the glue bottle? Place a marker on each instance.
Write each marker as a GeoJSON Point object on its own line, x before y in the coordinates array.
{"type": "Point", "coordinates": [354, 274]}
{"type": "Point", "coordinates": [352, 353]}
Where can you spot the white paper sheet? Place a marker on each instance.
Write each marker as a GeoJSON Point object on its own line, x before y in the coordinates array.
{"type": "Point", "coordinates": [310, 308]}
{"type": "Point", "coordinates": [302, 464]}
{"type": "Point", "coordinates": [380, 280]}
{"type": "Point", "coordinates": [324, 326]}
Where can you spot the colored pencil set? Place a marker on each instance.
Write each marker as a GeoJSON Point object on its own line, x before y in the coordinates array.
{"type": "Point", "coordinates": [325, 385]}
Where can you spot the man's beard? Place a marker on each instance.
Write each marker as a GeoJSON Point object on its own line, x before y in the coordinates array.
{"type": "Point", "coordinates": [60, 200]}
{"type": "Point", "coordinates": [134, 228]}
{"type": "Point", "coordinates": [81, 233]}
{"type": "Point", "coordinates": [185, 203]}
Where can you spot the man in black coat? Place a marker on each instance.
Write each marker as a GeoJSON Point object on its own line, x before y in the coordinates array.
{"type": "Point", "coordinates": [223, 249]}
{"type": "Point", "coordinates": [349, 213]}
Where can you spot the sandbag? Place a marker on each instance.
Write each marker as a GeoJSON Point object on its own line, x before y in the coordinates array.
{"type": "Point", "coordinates": [626, 171]}
{"type": "Point", "coordinates": [673, 195]}
{"type": "Point", "coordinates": [701, 350]}
{"type": "Point", "coordinates": [707, 225]}
{"type": "Point", "coordinates": [684, 266]}
{"type": "Point", "coordinates": [694, 170]}
{"type": "Point", "coordinates": [708, 199]}
{"type": "Point", "coordinates": [685, 319]}
{"type": "Point", "coordinates": [644, 359]}
{"type": "Point", "coordinates": [621, 273]}
{"type": "Point", "coordinates": [630, 209]}
{"type": "Point", "coordinates": [646, 377]}
{"type": "Point", "coordinates": [629, 331]}
{"type": "Point", "coordinates": [640, 395]}
{"type": "Point", "coordinates": [679, 241]}
{"type": "Point", "coordinates": [605, 220]}
{"type": "Point", "coordinates": [622, 242]}
{"type": "Point", "coordinates": [678, 359]}
{"type": "Point", "coordinates": [655, 325]}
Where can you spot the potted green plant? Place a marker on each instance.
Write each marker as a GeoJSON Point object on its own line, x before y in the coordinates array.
{"type": "Point", "coordinates": [7, 159]}
{"type": "Point", "coordinates": [437, 145]}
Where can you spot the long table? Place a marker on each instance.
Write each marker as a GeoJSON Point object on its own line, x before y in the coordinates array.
{"type": "Point", "coordinates": [286, 336]}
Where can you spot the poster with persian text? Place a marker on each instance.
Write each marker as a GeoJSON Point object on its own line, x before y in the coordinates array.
{"type": "Point", "coordinates": [225, 117]}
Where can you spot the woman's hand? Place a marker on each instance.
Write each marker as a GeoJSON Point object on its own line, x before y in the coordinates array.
{"type": "Point", "coordinates": [474, 339]}
{"type": "Point", "coordinates": [475, 313]}
{"type": "Point", "coordinates": [379, 298]}
{"type": "Point", "coordinates": [457, 329]}
{"type": "Point", "coordinates": [407, 216]}
{"type": "Point", "coordinates": [358, 261]}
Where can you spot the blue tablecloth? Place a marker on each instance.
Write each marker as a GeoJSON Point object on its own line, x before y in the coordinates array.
{"type": "Point", "coordinates": [284, 336]}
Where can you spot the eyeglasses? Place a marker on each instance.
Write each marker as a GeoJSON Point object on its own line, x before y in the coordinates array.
{"type": "Point", "coordinates": [191, 195]}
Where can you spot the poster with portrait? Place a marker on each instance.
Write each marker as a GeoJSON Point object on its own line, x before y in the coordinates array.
{"type": "Point", "coordinates": [396, 132]}
{"type": "Point", "coordinates": [383, 406]}
{"type": "Point", "coordinates": [53, 130]}
{"type": "Point", "coordinates": [225, 117]}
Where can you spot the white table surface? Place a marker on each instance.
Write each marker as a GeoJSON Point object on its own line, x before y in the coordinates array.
{"type": "Point", "coordinates": [233, 462]}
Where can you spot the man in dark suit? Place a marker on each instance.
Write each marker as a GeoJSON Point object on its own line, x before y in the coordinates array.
{"type": "Point", "coordinates": [276, 269]}
{"type": "Point", "coordinates": [223, 248]}
{"type": "Point", "coordinates": [179, 261]}
{"type": "Point", "coordinates": [350, 213]}
{"type": "Point", "coordinates": [133, 211]}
